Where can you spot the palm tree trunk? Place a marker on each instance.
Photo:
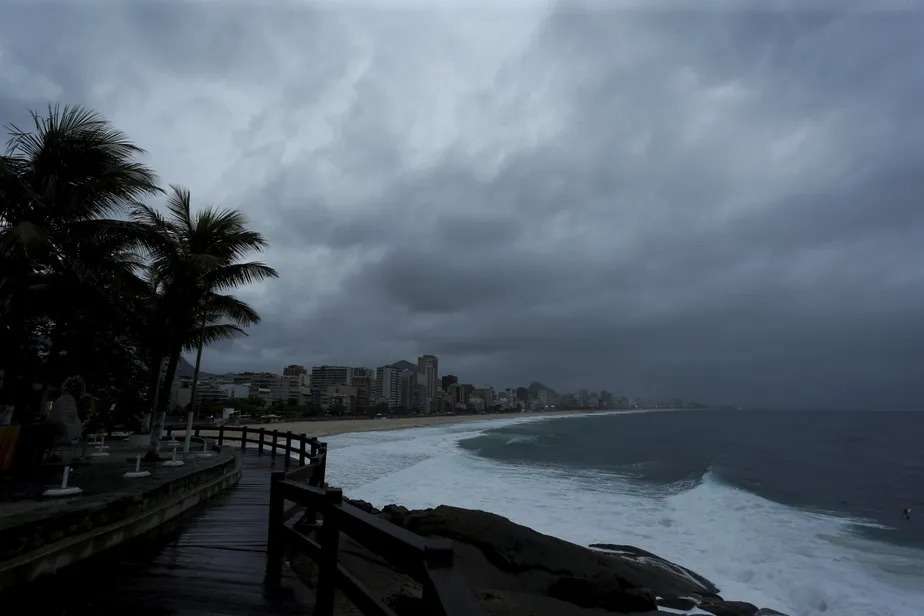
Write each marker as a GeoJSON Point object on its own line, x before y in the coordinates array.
{"type": "Point", "coordinates": [156, 375]}
{"type": "Point", "coordinates": [163, 402]}
{"type": "Point", "coordinates": [192, 395]}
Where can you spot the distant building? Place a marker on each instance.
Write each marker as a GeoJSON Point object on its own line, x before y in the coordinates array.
{"type": "Point", "coordinates": [295, 385]}
{"type": "Point", "coordinates": [324, 376]}
{"type": "Point", "coordinates": [234, 391]}
{"type": "Point", "coordinates": [363, 387]}
{"type": "Point", "coordinates": [407, 389]}
{"type": "Point", "coordinates": [209, 390]}
{"type": "Point", "coordinates": [522, 395]}
{"type": "Point", "coordinates": [294, 370]}
{"type": "Point", "coordinates": [482, 398]}
{"type": "Point", "coordinates": [265, 386]}
{"type": "Point", "coordinates": [339, 398]}
{"type": "Point", "coordinates": [427, 375]}
{"type": "Point", "coordinates": [387, 386]}
{"type": "Point", "coordinates": [362, 372]}
{"type": "Point", "coordinates": [459, 394]}
{"type": "Point", "coordinates": [447, 380]}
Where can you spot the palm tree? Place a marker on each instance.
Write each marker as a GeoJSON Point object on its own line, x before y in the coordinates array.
{"type": "Point", "coordinates": [62, 260]}
{"type": "Point", "coordinates": [194, 259]}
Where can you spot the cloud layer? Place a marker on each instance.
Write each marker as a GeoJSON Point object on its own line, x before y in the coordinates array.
{"type": "Point", "coordinates": [719, 204]}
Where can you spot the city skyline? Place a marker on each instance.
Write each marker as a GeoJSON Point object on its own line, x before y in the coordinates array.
{"type": "Point", "coordinates": [402, 385]}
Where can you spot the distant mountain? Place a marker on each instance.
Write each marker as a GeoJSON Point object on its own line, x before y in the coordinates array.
{"type": "Point", "coordinates": [535, 387]}
{"type": "Point", "coordinates": [184, 368]}
{"type": "Point", "coordinates": [404, 365]}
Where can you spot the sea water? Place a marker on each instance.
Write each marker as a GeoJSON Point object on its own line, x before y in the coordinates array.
{"type": "Point", "coordinates": [796, 511]}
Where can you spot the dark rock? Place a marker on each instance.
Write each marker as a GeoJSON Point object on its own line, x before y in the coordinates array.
{"type": "Point", "coordinates": [515, 570]}
{"type": "Point", "coordinates": [727, 608]}
{"type": "Point", "coordinates": [593, 593]}
{"type": "Point", "coordinates": [515, 548]}
{"type": "Point", "coordinates": [395, 514]}
{"type": "Point", "coordinates": [364, 505]}
{"type": "Point", "coordinates": [628, 552]}
{"type": "Point", "coordinates": [677, 603]}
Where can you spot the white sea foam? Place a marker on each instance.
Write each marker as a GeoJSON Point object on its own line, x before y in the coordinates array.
{"type": "Point", "coordinates": [754, 549]}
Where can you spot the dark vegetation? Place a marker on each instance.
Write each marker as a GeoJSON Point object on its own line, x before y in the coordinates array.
{"type": "Point", "coordinates": [96, 283]}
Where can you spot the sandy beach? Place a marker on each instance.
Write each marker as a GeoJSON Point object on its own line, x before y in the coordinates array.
{"type": "Point", "coordinates": [328, 427]}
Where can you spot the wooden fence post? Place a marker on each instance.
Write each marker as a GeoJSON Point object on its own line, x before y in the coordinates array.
{"type": "Point", "coordinates": [314, 447]}
{"type": "Point", "coordinates": [288, 446]}
{"type": "Point", "coordinates": [274, 546]}
{"type": "Point", "coordinates": [260, 444]}
{"type": "Point", "coordinates": [301, 451]}
{"type": "Point", "coordinates": [275, 436]}
{"type": "Point", "coordinates": [221, 436]}
{"type": "Point", "coordinates": [438, 553]}
{"type": "Point", "coordinates": [327, 563]}
{"type": "Point", "coordinates": [322, 472]}
{"type": "Point", "coordinates": [243, 438]}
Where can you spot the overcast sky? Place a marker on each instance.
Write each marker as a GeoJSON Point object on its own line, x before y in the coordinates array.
{"type": "Point", "coordinates": [711, 203]}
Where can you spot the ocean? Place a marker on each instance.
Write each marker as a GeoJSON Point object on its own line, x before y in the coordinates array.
{"type": "Point", "coordinates": [795, 511]}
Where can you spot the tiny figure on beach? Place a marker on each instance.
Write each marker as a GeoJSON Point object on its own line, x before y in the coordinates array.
{"type": "Point", "coordinates": [907, 513]}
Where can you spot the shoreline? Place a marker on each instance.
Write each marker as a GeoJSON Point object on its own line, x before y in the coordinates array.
{"type": "Point", "coordinates": [332, 427]}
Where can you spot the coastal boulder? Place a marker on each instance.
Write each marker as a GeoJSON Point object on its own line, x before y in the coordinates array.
{"type": "Point", "coordinates": [516, 570]}
{"type": "Point", "coordinates": [621, 579]}
{"type": "Point", "coordinates": [670, 579]}
{"type": "Point", "coordinates": [363, 505]}
{"type": "Point", "coordinates": [593, 593]}
{"type": "Point", "coordinates": [727, 608]}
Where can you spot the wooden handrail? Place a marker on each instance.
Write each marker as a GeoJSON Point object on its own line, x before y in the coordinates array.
{"type": "Point", "coordinates": [311, 468]}
{"type": "Point", "coordinates": [430, 561]}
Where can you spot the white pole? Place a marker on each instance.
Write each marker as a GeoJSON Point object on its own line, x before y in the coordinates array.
{"type": "Point", "coordinates": [138, 463]}
{"type": "Point", "coordinates": [67, 471]}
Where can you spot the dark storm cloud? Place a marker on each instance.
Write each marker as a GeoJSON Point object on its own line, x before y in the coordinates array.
{"type": "Point", "coordinates": [717, 203]}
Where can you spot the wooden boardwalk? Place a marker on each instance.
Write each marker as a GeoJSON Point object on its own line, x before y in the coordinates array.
{"type": "Point", "coordinates": [212, 563]}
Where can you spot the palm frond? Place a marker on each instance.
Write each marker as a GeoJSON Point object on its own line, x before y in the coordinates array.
{"type": "Point", "coordinates": [216, 306]}
{"type": "Point", "coordinates": [237, 274]}
{"type": "Point", "coordinates": [213, 333]}
{"type": "Point", "coordinates": [179, 207]}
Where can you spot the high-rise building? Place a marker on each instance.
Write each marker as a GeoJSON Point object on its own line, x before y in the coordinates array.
{"type": "Point", "coordinates": [427, 375]}
{"type": "Point", "coordinates": [407, 389]}
{"type": "Point", "coordinates": [485, 397]}
{"type": "Point", "coordinates": [522, 394]}
{"type": "Point", "coordinates": [339, 399]}
{"type": "Point", "coordinates": [294, 370]}
{"type": "Point", "coordinates": [362, 385]}
{"type": "Point", "coordinates": [387, 386]}
{"type": "Point", "coordinates": [324, 376]}
{"type": "Point", "coordinates": [361, 372]}
{"type": "Point", "coordinates": [295, 381]}
{"type": "Point", "coordinates": [448, 380]}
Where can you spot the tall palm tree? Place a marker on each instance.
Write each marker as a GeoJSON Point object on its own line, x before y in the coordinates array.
{"type": "Point", "coordinates": [194, 260]}
{"type": "Point", "coordinates": [61, 258]}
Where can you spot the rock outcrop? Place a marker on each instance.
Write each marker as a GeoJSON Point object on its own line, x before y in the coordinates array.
{"type": "Point", "coordinates": [516, 570]}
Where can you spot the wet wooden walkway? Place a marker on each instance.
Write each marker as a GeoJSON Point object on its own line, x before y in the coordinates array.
{"type": "Point", "coordinates": [211, 563]}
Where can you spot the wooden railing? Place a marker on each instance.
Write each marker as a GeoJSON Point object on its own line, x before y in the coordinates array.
{"type": "Point", "coordinates": [308, 450]}
{"type": "Point", "coordinates": [429, 561]}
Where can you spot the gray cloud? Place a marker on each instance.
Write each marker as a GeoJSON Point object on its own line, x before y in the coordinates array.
{"type": "Point", "coordinates": [719, 204]}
